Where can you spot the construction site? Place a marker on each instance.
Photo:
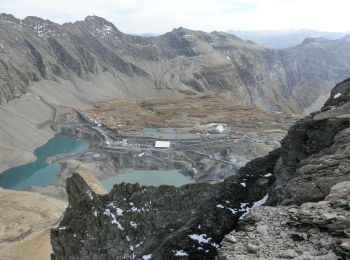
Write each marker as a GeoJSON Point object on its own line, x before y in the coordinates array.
{"type": "Point", "coordinates": [206, 138]}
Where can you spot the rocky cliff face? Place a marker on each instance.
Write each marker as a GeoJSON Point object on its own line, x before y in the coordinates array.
{"type": "Point", "coordinates": [291, 80]}
{"type": "Point", "coordinates": [311, 214]}
{"type": "Point", "coordinates": [314, 155]}
{"type": "Point", "coordinates": [308, 216]}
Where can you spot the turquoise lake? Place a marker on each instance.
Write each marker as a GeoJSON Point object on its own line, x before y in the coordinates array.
{"type": "Point", "coordinates": [40, 173]}
{"type": "Point", "coordinates": [148, 177]}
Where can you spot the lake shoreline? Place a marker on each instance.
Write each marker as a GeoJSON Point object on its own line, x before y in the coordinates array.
{"type": "Point", "coordinates": [41, 172]}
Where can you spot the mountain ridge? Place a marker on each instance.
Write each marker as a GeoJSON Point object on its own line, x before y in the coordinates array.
{"type": "Point", "coordinates": [33, 49]}
{"type": "Point", "coordinates": [285, 38]}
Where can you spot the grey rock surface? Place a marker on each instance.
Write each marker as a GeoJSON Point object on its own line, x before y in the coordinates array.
{"type": "Point", "coordinates": [315, 153]}
{"type": "Point", "coordinates": [314, 230]}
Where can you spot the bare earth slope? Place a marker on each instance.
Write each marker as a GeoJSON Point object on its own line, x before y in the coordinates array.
{"type": "Point", "coordinates": [25, 219]}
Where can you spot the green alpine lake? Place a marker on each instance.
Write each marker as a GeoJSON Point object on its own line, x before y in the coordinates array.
{"type": "Point", "coordinates": [148, 177]}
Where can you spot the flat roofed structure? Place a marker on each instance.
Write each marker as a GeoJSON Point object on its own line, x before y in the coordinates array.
{"type": "Point", "coordinates": [162, 144]}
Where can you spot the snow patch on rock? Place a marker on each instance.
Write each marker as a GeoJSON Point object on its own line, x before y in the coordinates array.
{"type": "Point", "coordinates": [337, 95]}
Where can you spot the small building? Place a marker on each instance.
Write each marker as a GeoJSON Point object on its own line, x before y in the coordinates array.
{"type": "Point", "coordinates": [162, 144]}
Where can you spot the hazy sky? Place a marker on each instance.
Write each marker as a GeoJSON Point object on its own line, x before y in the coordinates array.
{"type": "Point", "coordinates": [158, 16]}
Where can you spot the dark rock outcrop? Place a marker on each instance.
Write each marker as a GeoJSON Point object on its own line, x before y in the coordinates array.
{"type": "Point", "coordinates": [315, 153]}
{"type": "Point", "coordinates": [134, 221]}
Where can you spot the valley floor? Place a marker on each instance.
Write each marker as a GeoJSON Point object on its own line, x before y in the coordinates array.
{"type": "Point", "coordinates": [118, 140]}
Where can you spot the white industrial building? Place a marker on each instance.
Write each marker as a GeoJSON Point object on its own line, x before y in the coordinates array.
{"type": "Point", "coordinates": [162, 144]}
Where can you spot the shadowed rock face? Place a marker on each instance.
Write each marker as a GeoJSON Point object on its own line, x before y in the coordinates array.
{"type": "Point", "coordinates": [290, 80]}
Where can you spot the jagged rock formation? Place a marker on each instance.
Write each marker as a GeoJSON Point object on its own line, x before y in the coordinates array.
{"type": "Point", "coordinates": [315, 153]}
{"type": "Point", "coordinates": [133, 222]}
{"type": "Point", "coordinates": [291, 80]}
{"type": "Point", "coordinates": [308, 216]}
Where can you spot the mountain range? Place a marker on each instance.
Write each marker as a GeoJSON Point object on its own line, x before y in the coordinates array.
{"type": "Point", "coordinates": [94, 50]}
{"type": "Point", "coordinates": [285, 38]}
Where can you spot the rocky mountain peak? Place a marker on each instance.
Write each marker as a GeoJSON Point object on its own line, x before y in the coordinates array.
{"type": "Point", "coordinates": [99, 22]}
{"type": "Point", "coordinates": [43, 28]}
{"type": "Point", "coordinates": [314, 40]}
{"type": "Point", "coordinates": [9, 18]}
{"type": "Point", "coordinates": [102, 28]}
{"type": "Point", "coordinates": [181, 31]}
{"type": "Point", "coordinates": [35, 19]}
{"type": "Point", "coordinates": [95, 19]}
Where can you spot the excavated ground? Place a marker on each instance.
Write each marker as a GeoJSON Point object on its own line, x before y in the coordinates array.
{"type": "Point", "coordinates": [198, 149]}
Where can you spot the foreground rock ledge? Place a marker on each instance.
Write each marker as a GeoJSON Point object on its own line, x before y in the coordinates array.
{"type": "Point", "coordinates": [312, 231]}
